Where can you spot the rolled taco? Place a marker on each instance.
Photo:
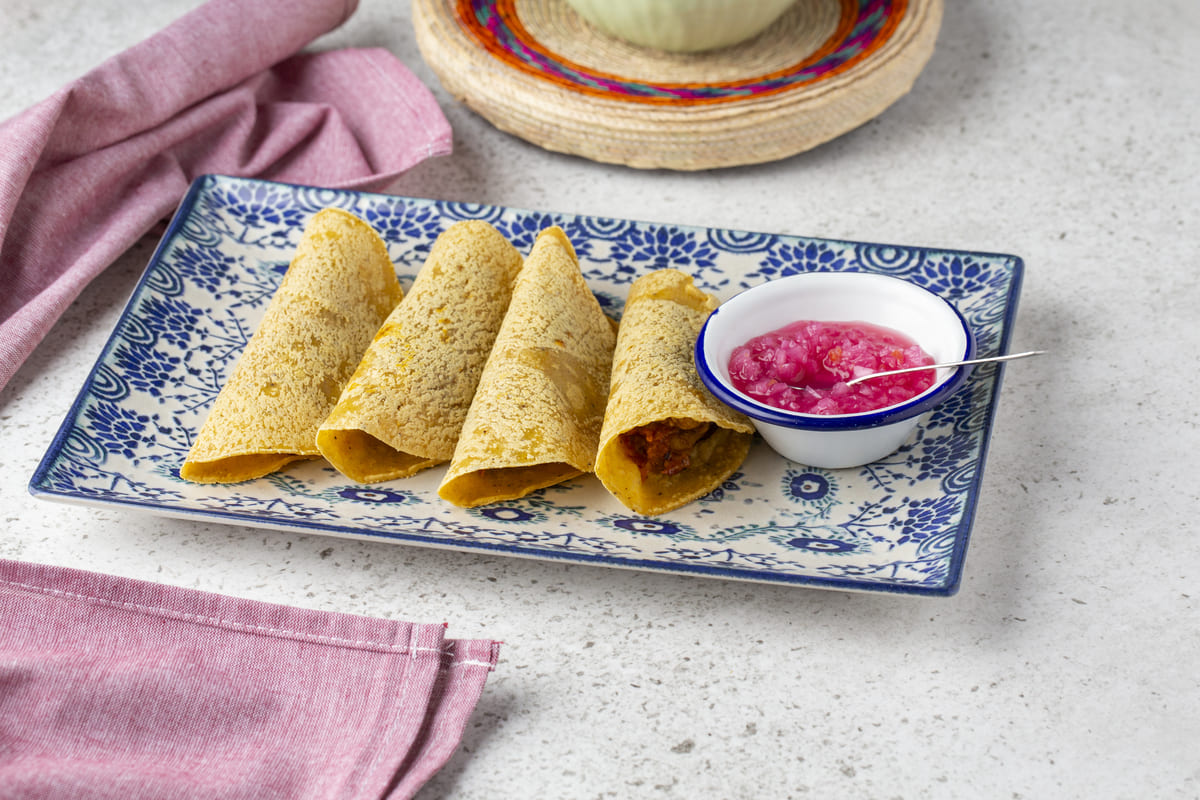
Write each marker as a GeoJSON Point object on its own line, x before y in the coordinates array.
{"type": "Point", "coordinates": [338, 289]}
{"type": "Point", "coordinates": [666, 440]}
{"type": "Point", "coordinates": [535, 420]}
{"type": "Point", "coordinates": [404, 407]}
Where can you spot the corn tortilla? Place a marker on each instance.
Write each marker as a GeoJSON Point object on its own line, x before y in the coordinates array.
{"type": "Point", "coordinates": [338, 289]}
{"type": "Point", "coordinates": [535, 420]}
{"type": "Point", "coordinates": [404, 407]}
{"type": "Point", "coordinates": [654, 383]}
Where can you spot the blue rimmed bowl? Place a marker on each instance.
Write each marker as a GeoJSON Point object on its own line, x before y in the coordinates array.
{"type": "Point", "coordinates": [838, 440]}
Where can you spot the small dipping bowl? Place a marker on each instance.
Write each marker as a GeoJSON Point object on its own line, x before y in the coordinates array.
{"type": "Point", "coordinates": [837, 440]}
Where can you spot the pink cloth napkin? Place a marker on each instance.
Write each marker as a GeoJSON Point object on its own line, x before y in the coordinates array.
{"type": "Point", "coordinates": [91, 169]}
{"type": "Point", "coordinates": [121, 689]}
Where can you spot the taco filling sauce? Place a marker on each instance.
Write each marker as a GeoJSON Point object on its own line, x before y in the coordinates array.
{"type": "Point", "coordinates": [664, 447]}
{"type": "Point", "coordinates": [804, 367]}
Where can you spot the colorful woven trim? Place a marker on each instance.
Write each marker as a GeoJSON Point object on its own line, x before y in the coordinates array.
{"type": "Point", "coordinates": [863, 28]}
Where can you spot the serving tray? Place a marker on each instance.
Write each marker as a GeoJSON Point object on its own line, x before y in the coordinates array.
{"type": "Point", "coordinates": [899, 525]}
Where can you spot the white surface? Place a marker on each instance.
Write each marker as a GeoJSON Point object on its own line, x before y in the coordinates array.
{"type": "Point", "coordinates": [1067, 664]}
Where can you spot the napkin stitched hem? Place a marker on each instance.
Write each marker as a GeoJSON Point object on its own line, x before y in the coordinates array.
{"type": "Point", "coordinates": [409, 647]}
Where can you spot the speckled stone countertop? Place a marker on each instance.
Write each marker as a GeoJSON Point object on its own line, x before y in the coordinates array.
{"type": "Point", "coordinates": [1065, 666]}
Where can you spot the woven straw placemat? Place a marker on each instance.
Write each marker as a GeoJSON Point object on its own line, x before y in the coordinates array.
{"type": "Point", "coordinates": [536, 69]}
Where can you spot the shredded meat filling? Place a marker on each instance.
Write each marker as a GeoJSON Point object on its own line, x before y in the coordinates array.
{"type": "Point", "coordinates": [664, 447]}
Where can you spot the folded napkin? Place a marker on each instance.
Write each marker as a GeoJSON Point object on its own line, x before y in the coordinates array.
{"type": "Point", "coordinates": [117, 688]}
{"type": "Point", "coordinates": [89, 170]}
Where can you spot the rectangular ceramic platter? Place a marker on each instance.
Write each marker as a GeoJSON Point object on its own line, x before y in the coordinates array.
{"type": "Point", "coordinates": [899, 525]}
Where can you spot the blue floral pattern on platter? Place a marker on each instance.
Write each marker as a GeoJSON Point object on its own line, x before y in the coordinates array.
{"type": "Point", "coordinates": [898, 525]}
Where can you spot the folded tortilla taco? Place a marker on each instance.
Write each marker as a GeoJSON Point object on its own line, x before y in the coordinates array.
{"type": "Point", "coordinates": [535, 420]}
{"type": "Point", "coordinates": [338, 289]}
{"type": "Point", "coordinates": [666, 440]}
{"type": "Point", "coordinates": [404, 407]}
